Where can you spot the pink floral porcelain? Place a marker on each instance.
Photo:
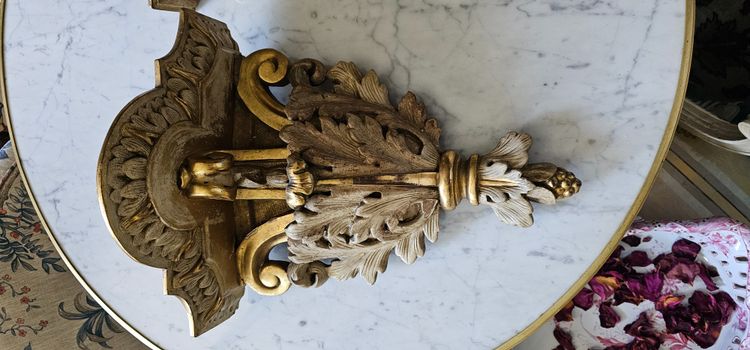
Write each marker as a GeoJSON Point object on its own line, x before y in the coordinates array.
{"type": "Point", "coordinates": [724, 246]}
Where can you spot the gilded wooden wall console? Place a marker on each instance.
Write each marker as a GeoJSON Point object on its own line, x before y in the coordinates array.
{"type": "Point", "coordinates": [203, 175]}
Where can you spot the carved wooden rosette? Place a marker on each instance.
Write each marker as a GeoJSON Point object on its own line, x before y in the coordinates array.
{"type": "Point", "coordinates": [203, 175]}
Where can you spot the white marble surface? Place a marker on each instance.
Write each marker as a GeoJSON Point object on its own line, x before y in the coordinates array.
{"type": "Point", "coordinates": [592, 80]}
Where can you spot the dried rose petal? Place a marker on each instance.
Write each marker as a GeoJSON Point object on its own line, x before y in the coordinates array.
{"type": "Point", "coordinates": [625, 295]}
{"type": "Point", "coordinates": [705, 305]}
{"type": "Point", "coordinates": [705, 275]}
{"type": "Point", "coordinates": [618, 277]}
{"type": "Point", "coordinates": [684, 269]}
{"type": "Point", "coordinates": [668, 302]}
{"type": "Point", "coordinates": [608, 316]}
{"type": "Point", "coordinates": [617, 252]}
{"type": "Point", "coordinates": [706, 337]}
{"type": "Point", "coordinates": [618, 271]}
{"type": "Point", "coordinates": [701, 319]}
{"type": "Point", "coordinates": [647, 286]}
{"type": "Point", "coordinates": [726, 306]}
{"type": "Point", "coordinates": [679, 320]}
{"type": "Point", "coordinates": [566, 314]}
{"type": "Point", "coordinates": [604, 286]}
{"type": "Point", "coordinates": [637, 258]}
{"type": "Point", "coordinates": [641, 327]}
{"type": "Point", "coordinates": [584, 299]}
{"type": "Point", "coordinates": [665, 262]}
{"type": "Point", "coordinates": [564, 339]}
{"type": "Point", "coordinates": [646, 337]}
{"type": "Point", "coordinates": [614, 263]}
{"type": "Point", "coordinates": [686, 249]}
{"type": "Point", "coordinates": [632, 241]}
{"type": "Point", "coordinates": [685, 272]}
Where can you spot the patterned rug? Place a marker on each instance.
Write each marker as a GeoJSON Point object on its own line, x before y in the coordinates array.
{"type": "Point", "coordinates": [33, 314]}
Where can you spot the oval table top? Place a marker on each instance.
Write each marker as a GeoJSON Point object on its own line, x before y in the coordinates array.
{"type": "Point", "coordinates": [597, 84]}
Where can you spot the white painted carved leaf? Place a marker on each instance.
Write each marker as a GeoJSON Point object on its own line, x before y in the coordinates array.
{"type": "Point", "coordinates": [356, 132]}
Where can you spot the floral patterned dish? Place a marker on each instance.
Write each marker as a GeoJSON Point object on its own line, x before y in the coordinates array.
{"type": "Point", "coordinates": [724, 247]}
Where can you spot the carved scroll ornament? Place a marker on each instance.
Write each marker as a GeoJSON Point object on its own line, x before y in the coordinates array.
{"type": "Point", "coordinates": [205, 174]}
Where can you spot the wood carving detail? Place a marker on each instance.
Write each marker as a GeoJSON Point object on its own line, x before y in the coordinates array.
{"type": "Point", "coordinates": [360, 177]}
{"type": "Point", "coordinates": [502, 185]}
{"type": "Point", "coordinates": [174, 5]}
{"type": "Point", "coordinates": [355, 132]}
{"type": "Point", "coordinates": [360, 227]}
{"type": "Point", "coordinates": [125, 166]}
{"type": "Point", "coordinates": [373, 175]}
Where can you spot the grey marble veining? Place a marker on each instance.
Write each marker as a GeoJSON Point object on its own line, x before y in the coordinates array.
{"type": "Point", "coordinates": [593, 81]}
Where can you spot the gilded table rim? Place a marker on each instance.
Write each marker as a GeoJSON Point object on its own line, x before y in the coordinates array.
{"type": "Point", "coordinates": [661, 155]}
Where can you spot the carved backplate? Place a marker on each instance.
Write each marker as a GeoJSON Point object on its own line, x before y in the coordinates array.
{"type": "Point", "coordinates": [174, 5]}
{"type": "Point", "coordinates": [191, 110]}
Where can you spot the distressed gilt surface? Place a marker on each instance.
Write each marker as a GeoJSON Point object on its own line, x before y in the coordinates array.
{"type": "Point", "coordinates": [354, 131]}
{"type": "Point", "coordinates": [174, 5]}
{"type": "Point", "coordinates": [360, 177]}
{"type": "Point", "coordinates": [137, 183]}
{"type": "Point", "coordinates": [375, 179]}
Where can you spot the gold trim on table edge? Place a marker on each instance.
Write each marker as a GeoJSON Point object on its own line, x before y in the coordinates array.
{"type": "Point", "coordinates": [520, 336]}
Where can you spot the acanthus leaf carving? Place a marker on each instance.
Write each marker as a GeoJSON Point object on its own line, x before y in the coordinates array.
{"type": "Point", "coordinates": [355, 131]}
{"type": "Point", "coordinates": [350, 132]}
{"type": "Point", "coordinates": [360, 227]}
{"type": "Point", "coordinates": [502, 184]}
{"type": "Point", "coordinates": [347, 80]}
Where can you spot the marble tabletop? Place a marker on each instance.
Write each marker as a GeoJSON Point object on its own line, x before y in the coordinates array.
{"type": "Point", "coordinates": [593, 81]}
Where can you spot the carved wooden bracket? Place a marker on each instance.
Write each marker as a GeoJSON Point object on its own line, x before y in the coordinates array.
{"type": "Point", "coordinates": [174, 5]}
{"type": "Point", "coordinates": [205, 174]}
